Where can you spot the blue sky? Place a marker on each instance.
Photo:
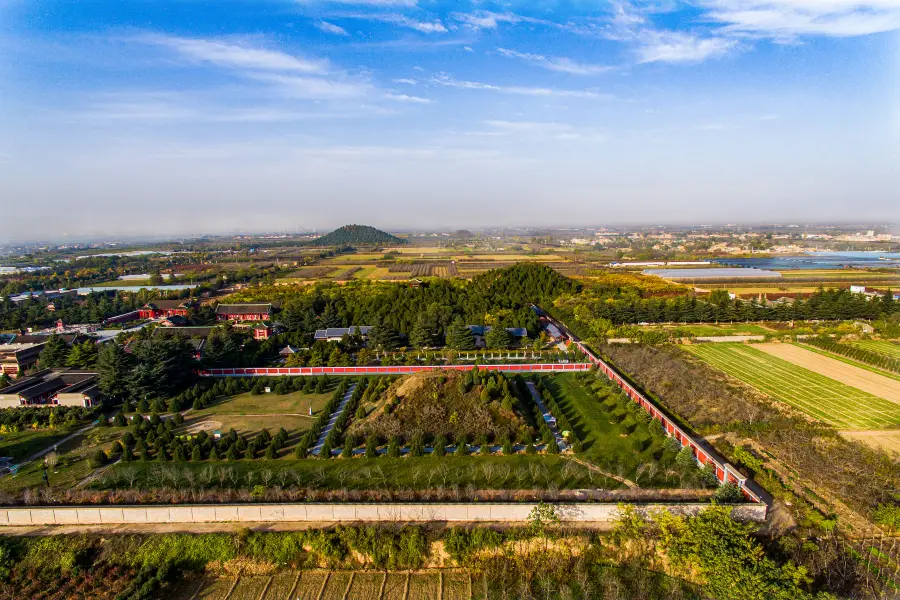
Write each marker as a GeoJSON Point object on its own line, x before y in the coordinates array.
{"type": "Point", "coordinates": [159, 116]}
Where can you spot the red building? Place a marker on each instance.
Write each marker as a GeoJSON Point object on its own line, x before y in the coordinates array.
{"type": "Point", "coordinates": [244, 312]}
{"type": "Point", "coordinates": [165, 308]}
{"type": "Point", "coordinates": [262, 331]}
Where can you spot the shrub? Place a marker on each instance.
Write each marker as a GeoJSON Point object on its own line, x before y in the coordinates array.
{"type": "Point", "coordinates": [530, 449]}
{"type": "Point", "coordinates": [394, 447]}
{"type": "Point", "coordinates": [99, 459]}
{"type": "Point", "coordinates": [371, 446]}
{"type": "Point", "coordinates": [641, 443]}
{"type": "Point", "coordinates": [728, 493]}
{"type": "Point", "coordinates": [440, 446]}
{"type": "Point", "coordinates": [887, 515]}
{"type": "Point", "coordinates": [461, 446]}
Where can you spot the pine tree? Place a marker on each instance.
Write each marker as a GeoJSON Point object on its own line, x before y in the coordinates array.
{"type": "Point", "coordinates": [54, 354]}
{"type": "Point", "coordinates": [422, 334]}
{"type": "Point", "coordinates": [196, 454]}
{"type": "Point", "coordinates": [384, 336]}
{"type": "Point", "coordinates": [498, 337]}
{"type": "Point", "coordinates": [371, 446]}
{"type": "Point", "coordinates": [440, 446]}
{"type": "Point", "coordinates": [460, 337]}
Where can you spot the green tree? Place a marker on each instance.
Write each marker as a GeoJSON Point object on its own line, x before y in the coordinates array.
{"type": "Point", "coordinates": [384, 337]}
{"type": "Point", "coordinates": [82, 356]}
{"type": "Point", "coordinates": [498, 337]}
{"type": "Point", "coordinates": [423, 334]}
{"type": "Point", "coordinates": [460, 337]}
{"type": "Point", "coordinates": [54, 354]}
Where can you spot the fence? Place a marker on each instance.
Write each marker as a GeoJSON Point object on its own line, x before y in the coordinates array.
{"type": "Point", "coordinates": [336, 513]}
{"type": "Point", "coordinates": [389, 370]}
{"type": "Point", "coordinates": [704, 454]}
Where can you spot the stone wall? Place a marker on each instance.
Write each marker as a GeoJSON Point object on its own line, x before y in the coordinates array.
{"type": "Point", "coordinates": [334, 513]}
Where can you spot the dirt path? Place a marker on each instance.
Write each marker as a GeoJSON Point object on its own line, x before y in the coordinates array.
{"type": "Point", "coordinates": [587, 465]}
{"type": "Point", "coordinates": [861, 379]}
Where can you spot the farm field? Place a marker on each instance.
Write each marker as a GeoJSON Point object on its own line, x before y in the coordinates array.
{"type": "Point", "coordinates": [885, 440]}
{"type": "Point", "coordinates": [891, 349]}
{"type": "Point", "coordinates": [862, 379]}
{"type": "Point", "coordinates": [723, 329]}
{"type": "Point", "coordinates": [341, 585]}
{"type": "Point", "coordinates": [248, 413]}
{"type": "Point", "coordinates": [850, 361]}
{"type": "Point", "coordinates": [818, 396]}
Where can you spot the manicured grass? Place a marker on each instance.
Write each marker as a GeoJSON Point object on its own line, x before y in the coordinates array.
{"type": "Point", "coordinates": [22, 444]}
{"type": "Point", "coordinates": [726, 329]}
{"type": "Point", "coordinates": [482, 472]}
{"type": "Point", "coordinates": [891, 349]}
{"type": "Point", "coordinates": [606, 442]}
{"type": "Point", "coordinates": [272, 403]}
{"type": "Point", "coordinates": [247, 413]}
{"type": "Point", "coordinates": [812, 393]}
{"type": "Point", "coordinates": [72, 465]}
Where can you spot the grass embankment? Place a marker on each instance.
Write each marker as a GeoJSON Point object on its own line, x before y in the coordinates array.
{"type": "Point", "coordinates": [19, 445]}
{"type": "Point", "coordinates": [518, 472]}
{"type": "Point", "coordinates": [613, 431]}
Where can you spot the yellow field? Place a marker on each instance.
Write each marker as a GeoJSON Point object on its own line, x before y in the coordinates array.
{"type": "Point", "coordinates": [420, 250]}
{"type": "Point", "coordinates": [514, 257]}
{"type": "Point", "coordinates": [888, 440]}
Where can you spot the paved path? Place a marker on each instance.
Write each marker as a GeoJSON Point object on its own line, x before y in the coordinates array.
{"type": "Point", "coordinates": [317, 449]}
{"type": "Point", "coordinates": [548, 418]}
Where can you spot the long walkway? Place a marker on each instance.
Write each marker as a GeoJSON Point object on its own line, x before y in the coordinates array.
{"type": "Point", "coordinates": [317, 449]}
{"type": "Point", "coordinates": [548, 418]}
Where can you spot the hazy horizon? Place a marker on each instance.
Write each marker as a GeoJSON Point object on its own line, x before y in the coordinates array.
{"type": "Point", "coordinates": [171, 118]}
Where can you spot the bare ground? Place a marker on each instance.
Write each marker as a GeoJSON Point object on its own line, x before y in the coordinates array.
{"type": "Point", "coordinates": [886, 439]}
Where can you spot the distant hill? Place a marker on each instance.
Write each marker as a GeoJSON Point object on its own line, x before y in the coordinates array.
{"type": "Point", "coordinates": [352, 235]}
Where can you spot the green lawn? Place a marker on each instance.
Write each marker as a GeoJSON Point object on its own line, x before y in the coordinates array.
{"type": "Point", "coordinates": [605, 443]}
{"type": "Point", "coordinates": [891, 349]}
{"type": "Point", "coordinates": [726, 329]}
{"type": "Point", "coordinates": [22, 444]}
{"type": "Point", "coordinates": [482, 472]}
{"type": "Point", "coordinates": [247, 413]}
{"type": "Point", "coordinates": [816, 395]}
{"type": "Point", "coordinates": [72, 465]}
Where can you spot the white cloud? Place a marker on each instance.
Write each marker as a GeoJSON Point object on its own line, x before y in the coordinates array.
{"type": "Point", "coordinates": [402, 21]}
{"type": "Point", "coordinates": [448, 81]}
{"type": "Point", "coordinates": [664, 45]}
{"type": "Point", "coordinates": [367, 2]}
{"type": "Point", "coordinates": [560, 64]}
{"type": "Point", "coordinates": [407, 98]}
{"type": "Point", "coordinates": [788, 18]}
{"type": "Point", "coordinates": [559, 131]}
{"type": "Point", "coordinates": [677, 47]}
{"type": "Point", "coordinates": [331, 28]}
{"type": "Point", "coordinates": [406, 81]}
{"type": "Point", "coordinates": [314, 88]}
{"type": "Point", "coordinates": [238, 55]}
{"type": "Point", "coordinates": [484, 19]}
